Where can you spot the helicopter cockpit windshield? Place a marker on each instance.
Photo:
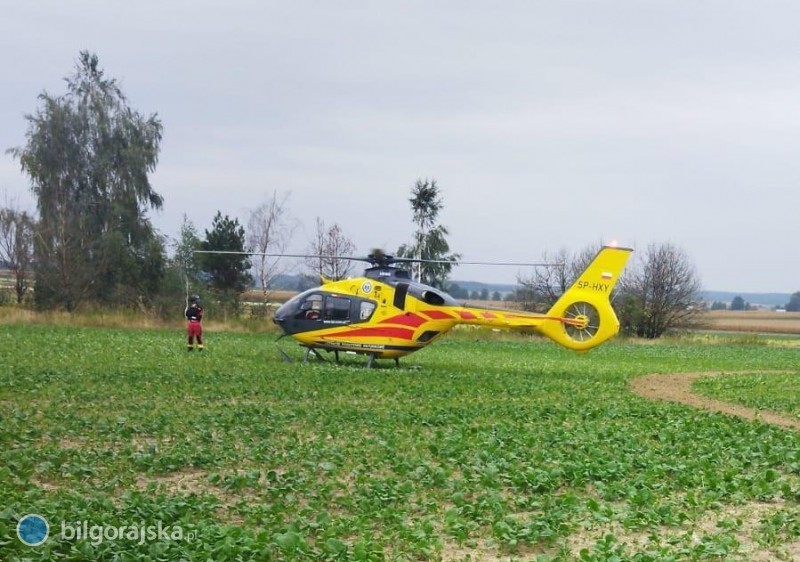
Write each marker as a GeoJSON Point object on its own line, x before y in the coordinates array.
{"type": "Point", "coordinates": [310, 307]}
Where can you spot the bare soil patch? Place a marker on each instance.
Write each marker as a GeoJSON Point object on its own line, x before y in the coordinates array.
{"type": "Point", "coordinates": [189, 481]}
{"type": "Point", "coordinates": [677, 387]}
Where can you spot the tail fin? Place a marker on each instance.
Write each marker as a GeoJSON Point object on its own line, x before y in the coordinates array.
{"type": "Point", "coordinates": [583, 318]}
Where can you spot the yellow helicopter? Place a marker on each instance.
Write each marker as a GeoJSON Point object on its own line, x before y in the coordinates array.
{"type": "Point", "coordinates": [385, 314]}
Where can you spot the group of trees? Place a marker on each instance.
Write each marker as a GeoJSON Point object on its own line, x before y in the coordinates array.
{"type": "Point", "coordinates": [738, 304]}
{"type": "Point", "coordinates": [89, 156]}
{"type": "Point", "coordinates": [458, 292]}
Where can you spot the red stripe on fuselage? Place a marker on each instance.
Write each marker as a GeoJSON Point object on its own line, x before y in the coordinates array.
{"type": "Point", "coordinates": [466, 315]}
{"type": "Point", "coordinates": [407, 319]}
{"type": "Point", "coordinates": [437, 315]}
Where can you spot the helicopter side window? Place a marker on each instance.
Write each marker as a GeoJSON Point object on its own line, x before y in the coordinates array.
{"type": "Point", "coordinates": [366, 310]}
{"type": "Point", "coordinates": [337, 309]}
{"type": "Point", "coordinates": [310, 308]}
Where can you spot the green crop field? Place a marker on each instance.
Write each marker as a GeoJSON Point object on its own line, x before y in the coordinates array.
{"type": "Point", "coordinates": [480, 447]}
{"type": "Point", "coordinates": [769, 391]}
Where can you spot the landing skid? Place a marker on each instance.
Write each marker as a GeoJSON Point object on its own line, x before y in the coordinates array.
{"type": "Point", "coordinates": [307, 355]}
{"type": "Point", "coordinates": [310, 350]}
{"type": "Point", "coordinates": [313, 353]}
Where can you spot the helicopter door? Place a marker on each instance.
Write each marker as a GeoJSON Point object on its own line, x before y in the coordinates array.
{"type": "Point", "coordinates": [337, 310]}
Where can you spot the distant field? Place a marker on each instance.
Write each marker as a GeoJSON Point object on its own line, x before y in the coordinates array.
{"type": "Point", "coordinates": [272, 296]}
{"type": "Point", "coordinates": [483, 447]}
{"type": "Point", "coordinates": [758, 321]}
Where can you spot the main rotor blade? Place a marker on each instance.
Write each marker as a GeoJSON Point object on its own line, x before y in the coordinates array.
{"type": "Point", "coordinates": [502, 263]}
{"type": "Point", "coordinates": [389, 259]}
{"type": "Point", "coordinates": [271, 255]}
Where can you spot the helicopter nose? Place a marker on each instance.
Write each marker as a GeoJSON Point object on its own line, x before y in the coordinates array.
{"type": "Point", "coordinates": [282, 315]}
{"type": "Point", "coordinates": [280, 320]}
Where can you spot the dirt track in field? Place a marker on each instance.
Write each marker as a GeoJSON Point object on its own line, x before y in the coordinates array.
{"type": "Point", "coordinates": [677, 387]}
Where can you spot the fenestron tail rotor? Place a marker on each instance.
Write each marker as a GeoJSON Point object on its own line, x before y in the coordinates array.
{"type": "Point", "coordinates": [581, 321]}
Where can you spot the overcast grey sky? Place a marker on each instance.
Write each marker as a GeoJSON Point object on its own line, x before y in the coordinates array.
{"type": "Point", "coordinates": [546, 124]}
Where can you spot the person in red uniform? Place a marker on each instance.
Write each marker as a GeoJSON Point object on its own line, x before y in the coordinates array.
{"type": "Point", "coordinates": [194, 329]}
